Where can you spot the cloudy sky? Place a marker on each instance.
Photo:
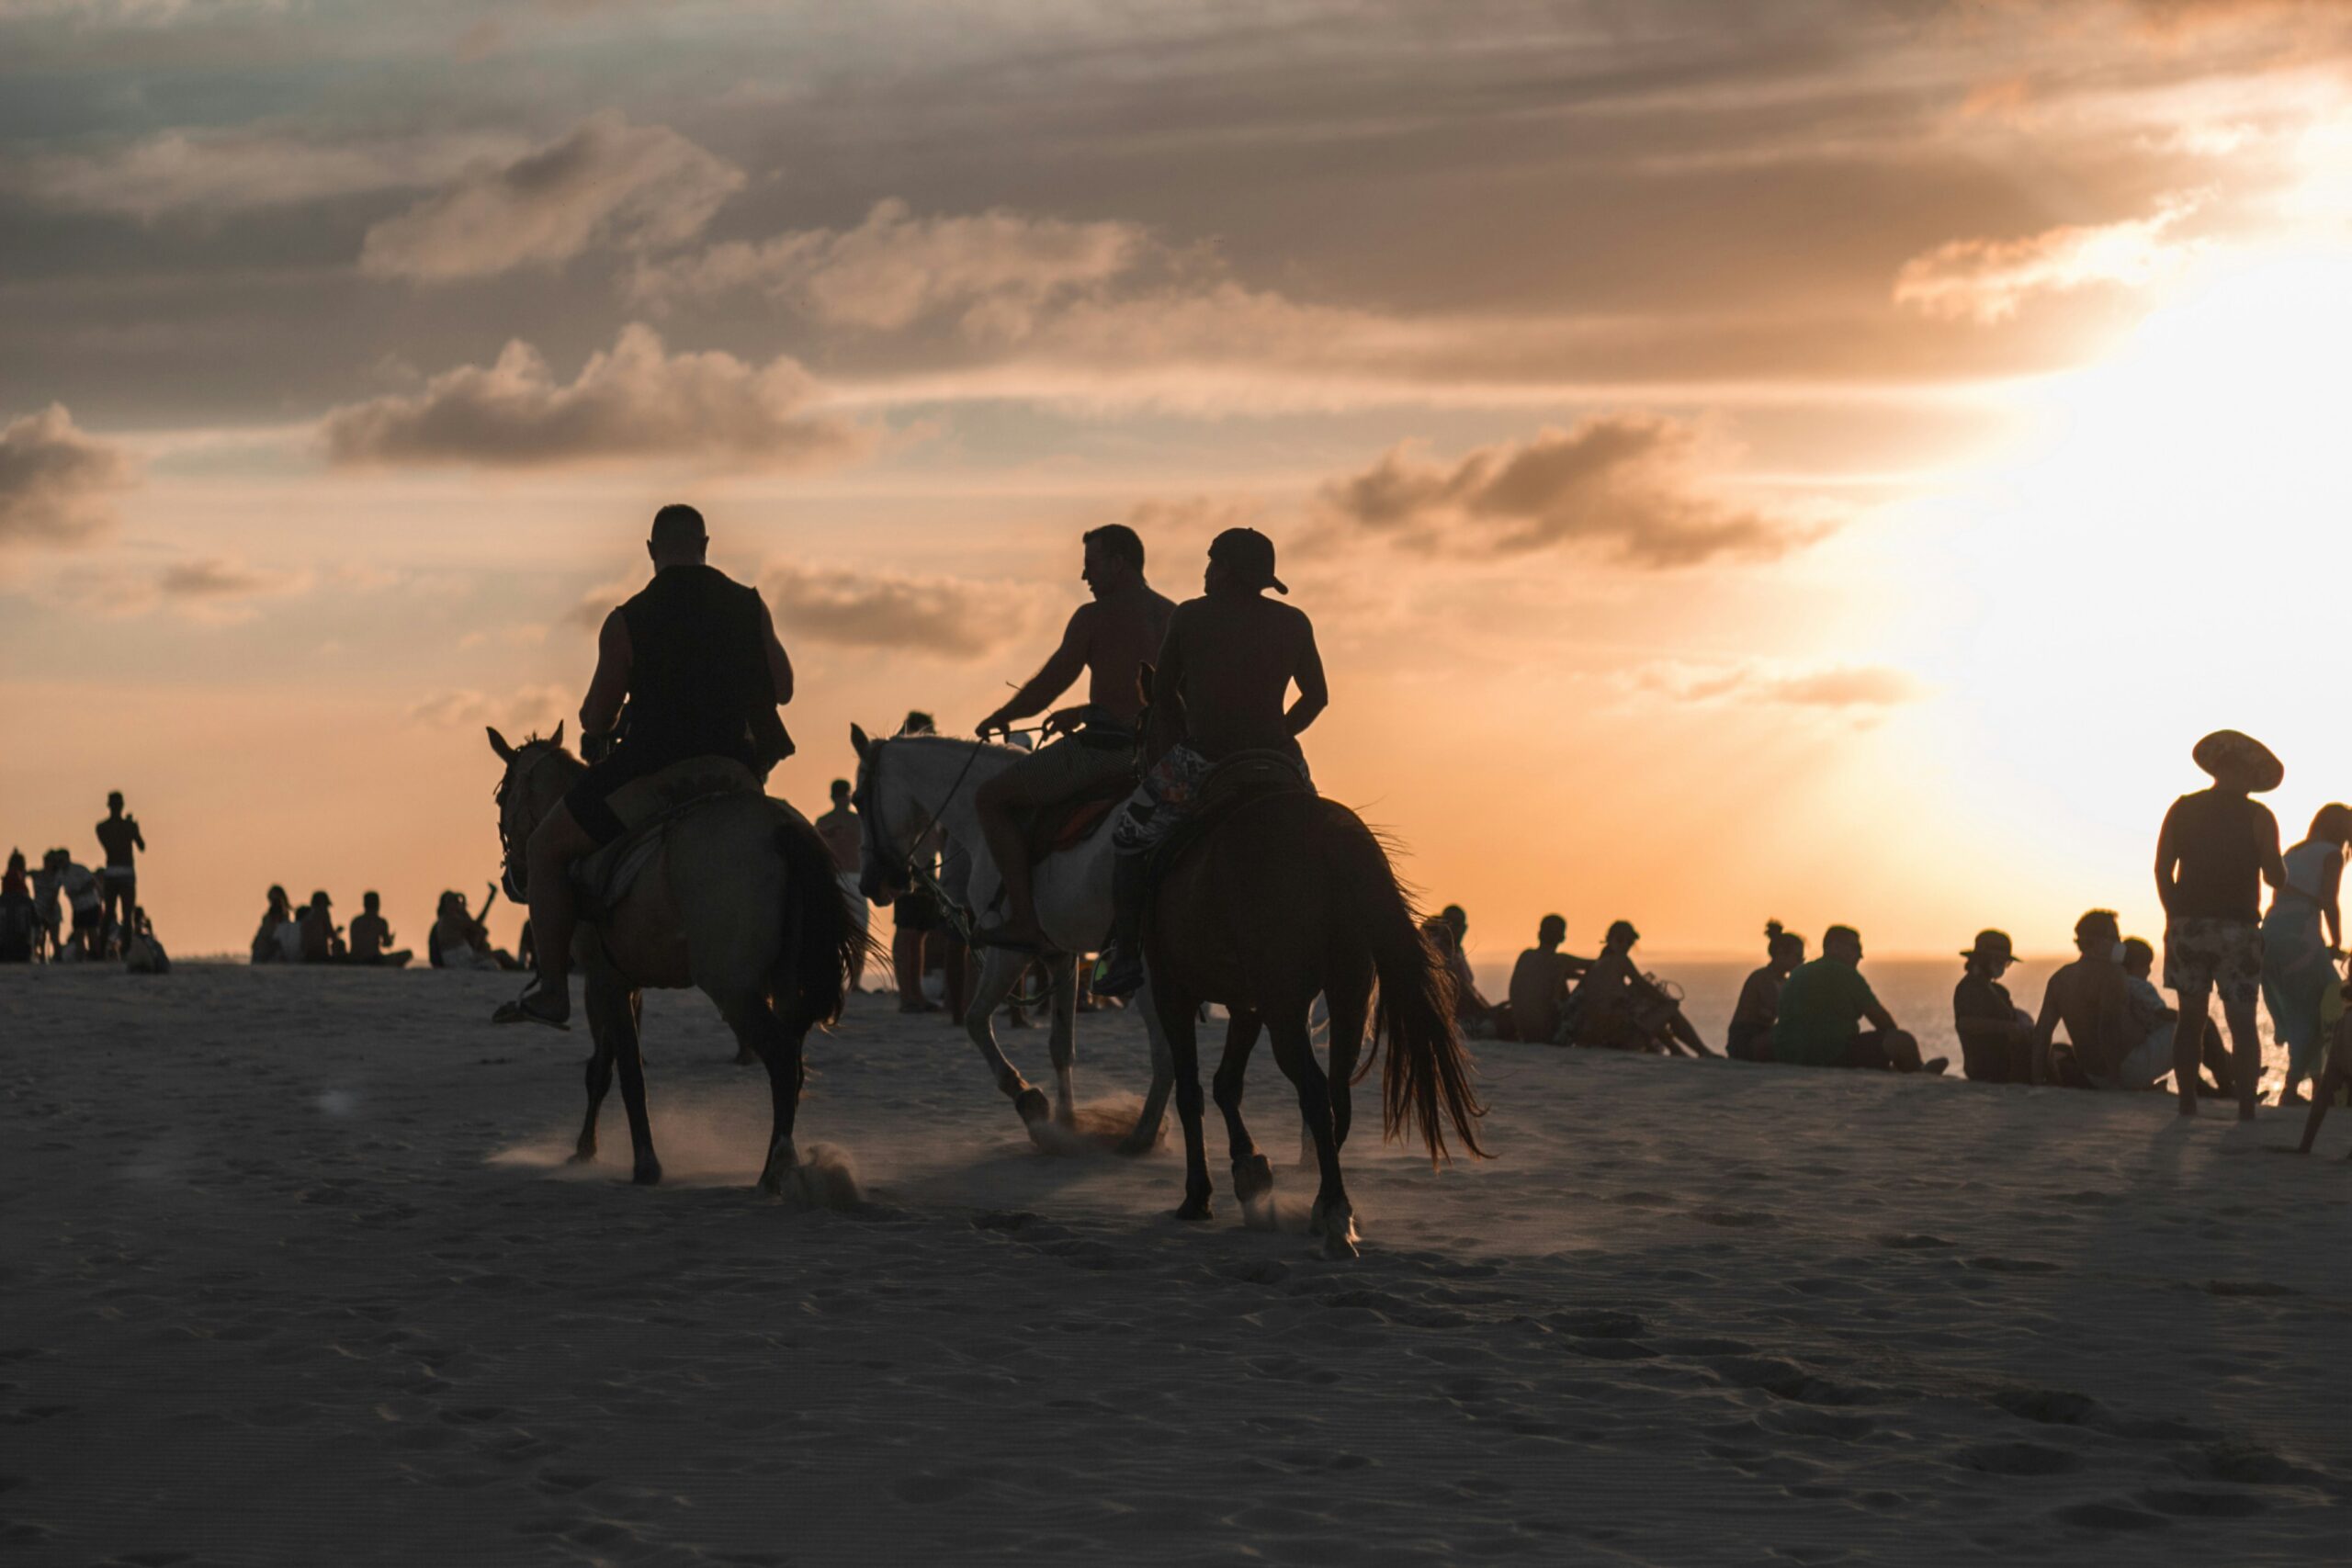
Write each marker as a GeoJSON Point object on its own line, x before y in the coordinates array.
{"type": "Point", "coordinates": [1827, 459]}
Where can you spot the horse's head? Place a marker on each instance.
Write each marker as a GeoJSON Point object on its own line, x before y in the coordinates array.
{"type": "Point", "coordinates": [537, 773]}
{"type": "Point", "coordinates": [882, 868]}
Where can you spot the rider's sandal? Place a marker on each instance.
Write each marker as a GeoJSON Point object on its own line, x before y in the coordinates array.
{"type": "Point", "coordinates": [529, 1008]}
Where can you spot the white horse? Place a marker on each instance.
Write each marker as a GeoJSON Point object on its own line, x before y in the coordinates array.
{"type": "Point", "coordinates": [909, 784]}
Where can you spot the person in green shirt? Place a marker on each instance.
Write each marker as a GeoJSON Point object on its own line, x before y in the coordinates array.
{"type": "Point", "coordinates": [1822, 1007]}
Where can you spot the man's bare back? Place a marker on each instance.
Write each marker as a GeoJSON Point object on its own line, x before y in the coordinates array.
{"type": "Point", "coordinates": [1230, 657]}
{"type": "Point", "coordinates": [838, 828]}
{"type": "Point", "coordinates": [1116, 637]}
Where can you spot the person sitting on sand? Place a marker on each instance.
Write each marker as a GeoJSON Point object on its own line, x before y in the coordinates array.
{"type": "Point", "coordinates": [142, 951]}
{"type": "Point", "coordinates": [271, 939]}
{"type": "Point", "coordinates": [371, 936]}
{"type": "Point", "coordinates": [2091, 998]}
{"type": "Point", "coordinates": [1822, 1007]}
{"type": "Point", "coordinates": [19, 919]}
{"type": "Point", "coordinates": [1616, 1007]}
{"type": "Point", "coordinates": [1539, 984]}
{"type": "Point", "coordinates": [1447, 932]}
{"type": "Point", "coordinates": [459, 939]}
{"type": "Point", "coordinates": [321, 938]}
{"type": "Point", "coordinates": [2216, 848]}
{"type": "Point", "coordinates": [1750, 1037]}
{"type": "Point", "coordinates": [845, 840]}
{"type": "Point", "coordinates": [2151, 1013]}
{"type": "Point", "coordinates": [1996, 1034]}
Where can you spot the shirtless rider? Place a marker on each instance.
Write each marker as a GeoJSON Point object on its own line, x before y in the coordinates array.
{"type": "Point", "coordinates": [1109, 640]}
{"type": "Point", "coordinates": [1230, 661]}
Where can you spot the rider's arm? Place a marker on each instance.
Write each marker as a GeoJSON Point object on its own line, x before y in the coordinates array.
{"type": "Point", "coordinates": [1314, 693]}
{"type": "Point", "coordinates": [1063, 668]}
{"type": "Point", "coordinates": [602, 708]}
{"type": "Point", "coordinates": [780, 662]}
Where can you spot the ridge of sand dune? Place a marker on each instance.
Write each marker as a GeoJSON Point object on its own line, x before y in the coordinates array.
{"type": "Point", "coordinates": [293, 1273]}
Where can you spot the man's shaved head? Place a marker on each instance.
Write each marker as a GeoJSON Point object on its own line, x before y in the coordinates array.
{"type": "Point", "coordinates": [678, 533]}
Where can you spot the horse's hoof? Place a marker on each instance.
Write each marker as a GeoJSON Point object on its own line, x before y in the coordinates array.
{"type": "Point", "coordinates": [1339, 1246]}
{"type": "Point", "coordinates": [1253, 1178]}
{"type": "Point", "coordinates": [647, 1174]}
{"type": "Point", "coordinates": [1135, 1145]}
{"type": "Point", "coordinates": [581, 1157]}
{"type": "Point", "coordinates": [1193, 1210]}
{"type": "Point", "coordinates": [1031, 1106]}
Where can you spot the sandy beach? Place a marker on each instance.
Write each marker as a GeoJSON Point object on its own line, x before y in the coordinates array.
{"type": "Point", "coordinates": [294, 1274]}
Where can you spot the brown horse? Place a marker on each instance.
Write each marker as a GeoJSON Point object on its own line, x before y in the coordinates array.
{"type": "Point", "coordinates": [1284, 896]}
{"type": "Point", "coordinates": [739, 902]}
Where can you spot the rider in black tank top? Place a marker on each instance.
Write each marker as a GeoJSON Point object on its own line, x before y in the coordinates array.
{"type": "Point", "coordinates": [697, 669]}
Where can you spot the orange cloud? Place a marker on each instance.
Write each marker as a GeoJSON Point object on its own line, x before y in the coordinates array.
{"type": "Point", "coordinates": [1987, 280]}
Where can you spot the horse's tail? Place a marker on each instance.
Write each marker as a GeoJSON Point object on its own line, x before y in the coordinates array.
{"type": "Point", "coordinates": [1427, 1078]}
{"type": "Point", "coordinates": [821, 942]}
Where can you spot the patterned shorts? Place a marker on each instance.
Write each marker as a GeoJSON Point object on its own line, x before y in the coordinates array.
{"type": "Point", "coordinates": [2203, 953]}
{"type": "Point", "coordinates": [1166, 798]}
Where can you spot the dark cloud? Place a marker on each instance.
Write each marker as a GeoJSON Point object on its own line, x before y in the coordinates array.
{"type": "Point", "coordinates": [947, 617]}
{"type": "Point", "coordinates": [1628, 484]}
{"type": "Point", "coordinates": [607, 182]}
{"type": "Point", "coordinates": [638, 401]}
{"type": "Point", "coordinates": [56, 481]}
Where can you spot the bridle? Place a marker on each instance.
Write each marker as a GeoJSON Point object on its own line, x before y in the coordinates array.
{"type": "Point", "coordinates": [898, 873]}
{"type": "Point", "coordinates": [514, 787]}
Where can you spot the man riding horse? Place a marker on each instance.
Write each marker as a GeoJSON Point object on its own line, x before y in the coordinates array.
{"type": "Point", "coordinates": [695, 656]}
{"type": "Point", "coordinates": [1229, 660]}
{"type": "Point", "coordinates": [1109, 640]}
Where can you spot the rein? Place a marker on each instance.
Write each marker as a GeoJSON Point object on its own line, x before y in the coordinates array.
{"type": "Point", "coordinates": [902, 865]}
{"type": "Point", "coordinates": [508, 788]}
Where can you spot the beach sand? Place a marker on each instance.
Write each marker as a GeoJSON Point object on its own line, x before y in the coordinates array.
{"type": "Point", "coordinates": [290, 1272]}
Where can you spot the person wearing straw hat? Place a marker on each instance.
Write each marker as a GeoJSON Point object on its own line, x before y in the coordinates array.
{"type": "Point", "coordinates": [1996, 1034]}
{"type": "Point", "coordinates": [2218, 847]}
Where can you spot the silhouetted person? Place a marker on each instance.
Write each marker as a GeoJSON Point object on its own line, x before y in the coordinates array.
{"type": "Point", "coordinates": [270, 942]}
{"type": "Point", "coordinates": [1088, 746]}
{"type": "Point", "coordinates": [2302, 939]}
{"type": "Point", "coordinates": [2092, 999]}
{"type": "Point", "coordinates": [1224, 675]}
{"type": "Point", "coordinates": [2151, 1014]}
{"type": "Point", "coordinates": [371, 936]}
{"type": "Point", "coordinates": [84, 905]}
{"type": "Point", "coordinates": [460, 939]}
{"type": "Point", "coordinates": [694, 655]}
{"type": "Point", "coordinates": [2218, 847]}
{"type": "Point", "coordinates": [1822, 1007]}
{"type": "Point", "coordinates": [118, 882]}
{"type": "Point", "coordinates": [1539, 983]}
{"type": "Point", "coordinates": [1749, 1037]}
{"type": "Point", "coordinates": [142, 951]}
{"type": "Point", "coordinates": [321, 938]}
{"type": "Point", "coordinates": [1616, 1007]}
{"type": "Point", "coordinates": [19, 919]}
{"type": "Point", "coordinates": [1996, 1034]}
{"type": "Point", "coordinates": [845, 838]}
{"type": "Point", "coordinates": [915, 913]}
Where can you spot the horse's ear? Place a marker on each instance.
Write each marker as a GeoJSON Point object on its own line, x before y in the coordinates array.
{"type": "Point", "coordinates": [1145, 678]}
{"type": "Point", "coordinates": [857, 740]}
{"type": "Point", "coordinates": [557, 739]}
{"type": "Point", "coordinates": [498, 744]}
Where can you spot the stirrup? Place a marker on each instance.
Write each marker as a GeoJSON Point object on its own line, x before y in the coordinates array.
{"type": "Point", "coordinates": [529, 1008]}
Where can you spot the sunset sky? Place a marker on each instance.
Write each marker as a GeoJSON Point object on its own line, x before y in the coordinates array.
{"type": "Point", "coordinates": [1826, 460]}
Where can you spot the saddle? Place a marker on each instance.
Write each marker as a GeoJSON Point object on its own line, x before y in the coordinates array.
{"type": "Point", "coordinates": [1066, 824]}
{"type": "Point", "coordinates": [1231, 783]}
{"type": "Point", "coordinates": [648, 807]}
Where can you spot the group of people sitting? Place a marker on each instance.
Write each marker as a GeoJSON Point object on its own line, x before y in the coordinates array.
{"type": "Point", "coordinates": [1558, 998]}
{"type": "Point", "coordinates": [459, 939]}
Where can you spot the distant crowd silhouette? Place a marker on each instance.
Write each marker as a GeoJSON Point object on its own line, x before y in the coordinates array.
{"type": "Point", "coordinates": [65, 912]}
{"type": "Point", "coordinates": [457, 939]}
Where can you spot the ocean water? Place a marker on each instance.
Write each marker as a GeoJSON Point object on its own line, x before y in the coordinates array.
{"type": "Point", "coordinates": [1918, 991]}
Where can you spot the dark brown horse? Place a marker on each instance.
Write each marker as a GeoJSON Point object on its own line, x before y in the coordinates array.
{"type": "Point", "coordinates": [740, 903]}
{"type": "Point", "coordinates": [1286, 897]}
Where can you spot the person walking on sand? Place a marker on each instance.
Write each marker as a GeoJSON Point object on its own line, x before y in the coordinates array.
{"type": "Point", "coordinates": [1090, 747]}
{"type": "Point", "coordinates": [2216, 848]}
{"type": "Point", "coordinates": [845, 840]}
{"type": "Point", "coordinates": [1996, 1034]}
{"type": "Point", "coordinates": [2302, 937]}
{"type": "Point", "coordinates": [1539, 984]}
{"type": "Point", "coordinates": [1749, 1037]}
{"type": "Point", "coordinates": [1822, 1007]}
{"type": "Point", "coordinates": [2092, 998]}
{"type": "Point", "coordinates": [118, 881]}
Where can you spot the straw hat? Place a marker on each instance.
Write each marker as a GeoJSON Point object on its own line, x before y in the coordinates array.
{"type": "Point", "coordinates": [2233, 758]}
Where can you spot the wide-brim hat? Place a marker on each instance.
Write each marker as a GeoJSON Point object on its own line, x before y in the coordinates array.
{"type": "Point", "coordinates": [2235, 758]}
{"type": "Point", "coordinates": [1992, 943]}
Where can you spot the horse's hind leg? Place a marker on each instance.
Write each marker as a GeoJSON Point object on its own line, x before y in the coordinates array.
{"type": "Point", "coordinates": [1145, 1135]}
{"type": "Point", "coordinates": [999, 970]}
{"type": "Point", "coordinates": [779, 1047]}
{"type": "Point", "coordinates": [1334, 1217]}
{"type": "Point", "coordinates": [1177, 1017]}
{"type": "Point", "coordinates": [600, 1081]}
{"type": "Point", "coordinates": [612, 1018]}
{"type": "Point", "coordinates": [1252, 1177]}
{"type": "Point", "coordinates": [1064, 1043]}
{"type": "Point", "coordinates": [1349, 1002]}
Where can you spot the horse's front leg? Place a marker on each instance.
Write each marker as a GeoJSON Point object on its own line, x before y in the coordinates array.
{"type": "Point", "coordinates": [1178, 1018]}
{"type": "Point", "coordinates": [1252, 1177]}
{"type": "Point", "coordinates": [1146, 1135]}
{"type": "Point", "coordinates": [1063, 972]}
{"type": "Point", "coordinates": [1333, 1216]}
{"type": "Point", "coordinates": [612, 1019]}
{"type": "Point", "coordinates": [600, 1081]}
{"type": "Point", "coordinates": [999, 970]}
